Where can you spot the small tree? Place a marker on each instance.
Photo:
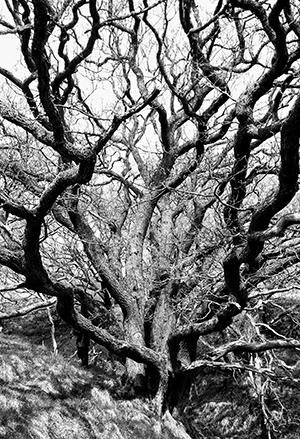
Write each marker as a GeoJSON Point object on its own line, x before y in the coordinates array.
{"type": "Point", "coordinates": [149, 167]}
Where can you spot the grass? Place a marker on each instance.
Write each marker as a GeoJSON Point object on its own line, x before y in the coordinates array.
{"type": "Point", "coordinates": [45, 397]}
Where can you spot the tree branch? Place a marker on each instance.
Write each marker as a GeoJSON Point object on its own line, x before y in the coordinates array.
{"type": "Point", "coordinates": [28, 309]}
{"type": "Point", "coordinates": [243, 346]}
{"type": "Point", "coordinates": [31, 126]}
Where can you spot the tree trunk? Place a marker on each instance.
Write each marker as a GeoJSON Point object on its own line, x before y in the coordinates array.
{"type": "Point", "coordinates": [180, 385]}
{"type": "Point", "coordinates": [136, 373]}
{"type": "Point", "coordinates": [176, 428]}
{"type": "Point", "coordinates": [83, 345]}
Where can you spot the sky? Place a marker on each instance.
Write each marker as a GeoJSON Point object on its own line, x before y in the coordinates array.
{"type": "Point", "coordinates": [8, 43]}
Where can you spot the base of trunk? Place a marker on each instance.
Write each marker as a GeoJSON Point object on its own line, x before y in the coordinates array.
{"type": "Point", "coordinates": [135, 382]}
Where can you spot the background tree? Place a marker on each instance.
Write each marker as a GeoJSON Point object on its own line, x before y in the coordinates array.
{"type": "Point", "coordinates": [149, 172]}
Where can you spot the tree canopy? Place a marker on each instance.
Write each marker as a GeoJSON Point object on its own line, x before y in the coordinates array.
{"type": "Point", "coordinates": [149, 178]}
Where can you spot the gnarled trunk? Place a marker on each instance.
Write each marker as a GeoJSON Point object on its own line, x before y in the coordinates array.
{"type": "Point", "coordinates": [136, 373]}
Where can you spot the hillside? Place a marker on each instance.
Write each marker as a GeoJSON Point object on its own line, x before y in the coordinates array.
{"type": "Point", "coordinates": [45, 397]}
{"type": "Point", "coordinates": [52, 397]}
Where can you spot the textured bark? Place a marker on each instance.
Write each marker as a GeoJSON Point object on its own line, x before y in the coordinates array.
{"type": "Point", "coordinates": [31, 126]}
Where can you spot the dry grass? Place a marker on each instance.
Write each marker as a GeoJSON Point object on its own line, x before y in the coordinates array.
{"type": "Point", "coordinates": [44, 397]}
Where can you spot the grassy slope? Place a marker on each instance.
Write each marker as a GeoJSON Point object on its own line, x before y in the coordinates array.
{"type": "Point", "coordinates": [44, 397]}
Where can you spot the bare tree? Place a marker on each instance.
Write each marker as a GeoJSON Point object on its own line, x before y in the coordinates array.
{"type": "Point", "coordinates": [150, 167]}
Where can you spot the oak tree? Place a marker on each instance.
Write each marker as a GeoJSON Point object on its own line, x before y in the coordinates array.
{"type": "Point", "coordinates": [149, 173]}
